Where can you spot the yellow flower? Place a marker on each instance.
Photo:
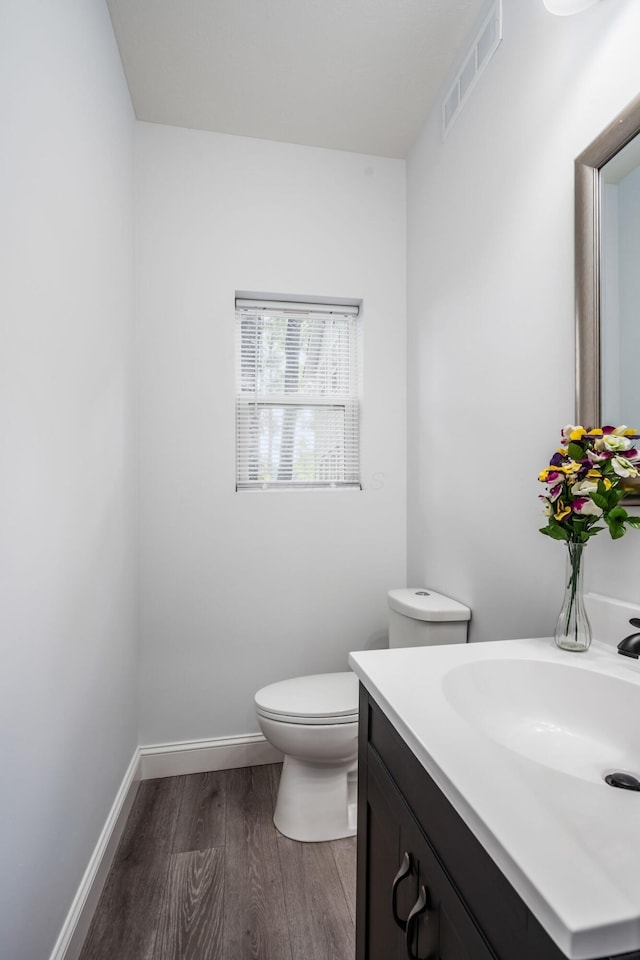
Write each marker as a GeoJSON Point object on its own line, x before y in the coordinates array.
{"type": "Point", "coordinates": [562, 511]}
{"type": "Point", "coordinates": [594, 473]}
{"type": "Point", "coordinates": [562, 451]}
{"type": "Point", "coordinates": [596, 432]}
{"type": "Point", "coordinates": [577, 434]}
{"type": "Point", "coordinates": [569, 468]}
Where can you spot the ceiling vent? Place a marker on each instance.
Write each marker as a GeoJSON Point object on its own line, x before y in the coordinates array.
{"type": "Point", "coordinates": [482, 49]}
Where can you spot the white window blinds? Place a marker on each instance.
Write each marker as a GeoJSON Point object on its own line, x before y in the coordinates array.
{"type": "Point", "coordinates": [297, 411]}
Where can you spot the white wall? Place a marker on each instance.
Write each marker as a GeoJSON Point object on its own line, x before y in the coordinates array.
{"type": "Point", "coordinates": [491, 344]}
{"type": "Point", "coordinates": [67, 671]}
{"type": "Point", "coordinates": [239, 590]}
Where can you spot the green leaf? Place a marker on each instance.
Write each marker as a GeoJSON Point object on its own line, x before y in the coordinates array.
{"type": "Point", "coordinates": [555, 531]}
{"type": "Point", "coordinates": [618, 514]}
{"type": "Point", "coordinates": [634, 522]}
{"type": "Point", "coordinates": [600, 500]}
{"type": "Point", "coordinates": [616, 527]}
{"type": "Point", "coordinates": [575, 451]}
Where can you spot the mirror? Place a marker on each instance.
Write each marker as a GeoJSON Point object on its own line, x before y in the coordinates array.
{"type": "Point", "coordinates": [607, 255]}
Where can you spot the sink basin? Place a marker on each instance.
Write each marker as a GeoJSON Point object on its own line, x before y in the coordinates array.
{"type": "Point", "coordinates": [575, 720]}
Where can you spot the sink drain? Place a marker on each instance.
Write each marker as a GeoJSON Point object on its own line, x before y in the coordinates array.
{"type": "Point", "coordinates": [623, 780]}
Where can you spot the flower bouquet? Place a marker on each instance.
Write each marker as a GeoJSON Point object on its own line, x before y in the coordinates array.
{"type": "Point", "coordinates": [585, 483]}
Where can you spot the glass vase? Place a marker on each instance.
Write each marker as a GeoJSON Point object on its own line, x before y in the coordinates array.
{"type": "Point", "coordinates": [573, 630]}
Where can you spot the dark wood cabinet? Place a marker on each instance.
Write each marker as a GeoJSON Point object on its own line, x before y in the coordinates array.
{"type": "Point", "coordinates": [427, 889]}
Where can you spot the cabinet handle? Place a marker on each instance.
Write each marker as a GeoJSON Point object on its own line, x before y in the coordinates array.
{"type": "Point", "coordinates": [406, 868]}
{"type": "Point", "coordinates": [419, 907]}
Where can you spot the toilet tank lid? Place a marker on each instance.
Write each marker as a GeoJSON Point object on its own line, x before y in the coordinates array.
{"type": "Point", "coordinates": [424, 604]}
{"type": "Point", "coordinates": [320, 695]}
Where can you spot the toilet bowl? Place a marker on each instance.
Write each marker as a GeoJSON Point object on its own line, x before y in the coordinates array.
{"type": "Point", "coordinates": [314, 722]}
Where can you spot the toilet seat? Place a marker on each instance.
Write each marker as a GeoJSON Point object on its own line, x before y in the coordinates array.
{"type": "Point", "coordinates": [307, 721]}
{"type": "Point", "coordinates": [320, 699]}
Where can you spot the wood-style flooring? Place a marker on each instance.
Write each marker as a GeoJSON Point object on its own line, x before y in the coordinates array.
{"type": "Point", "coordinates": [201, 873]}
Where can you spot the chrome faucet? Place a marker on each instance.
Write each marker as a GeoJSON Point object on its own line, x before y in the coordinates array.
{"type": "Point", "coordinates": [630, 646]}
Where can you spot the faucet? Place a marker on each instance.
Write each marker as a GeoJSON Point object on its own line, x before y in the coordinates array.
{"type": "Point", "coordinates": [630, 646]}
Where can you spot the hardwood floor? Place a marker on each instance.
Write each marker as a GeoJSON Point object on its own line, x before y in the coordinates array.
{"type": "Point", "coordinates": [201, 873]}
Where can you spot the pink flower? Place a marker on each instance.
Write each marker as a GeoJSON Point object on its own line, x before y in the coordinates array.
{"type": "Point", "coordinates": [585, 507]}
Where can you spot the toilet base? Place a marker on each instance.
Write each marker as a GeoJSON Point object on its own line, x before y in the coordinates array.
{"type": "Point", "coordinates": [316, 801]}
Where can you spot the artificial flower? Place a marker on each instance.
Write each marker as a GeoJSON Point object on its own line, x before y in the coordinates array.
{"type": "Point", "coordinates": [584, 486]}
{"type": "Point", "coordinates": [554, 492]}
{"type": "Point", "coordinates": [562, 512]}
{"type": "Point", "coordinates": [613, 442]}
{"type": "Point", "coordinates": [623, 467]}
{"type": "Point", "coordinates": [568, 431]}
{"type": "Point", "coordinates": [584, 482]}
{"type": "Point", "coordinates": [586, 507]}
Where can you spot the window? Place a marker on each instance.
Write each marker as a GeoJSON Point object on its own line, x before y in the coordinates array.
{"type": "Point", "coordinates": [297, 410]}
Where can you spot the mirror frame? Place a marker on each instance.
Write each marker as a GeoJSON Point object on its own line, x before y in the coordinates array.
{"type": "Point", "coordinates": [587, 259]}
{"type": "Point", "coordinates": [613, 138]}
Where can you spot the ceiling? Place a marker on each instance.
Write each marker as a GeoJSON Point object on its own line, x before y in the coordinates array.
{"type": "Point", "coordinates": [357, 75]}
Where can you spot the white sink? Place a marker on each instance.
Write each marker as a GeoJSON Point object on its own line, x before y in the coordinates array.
{"type": "Point", "coordinates": [572, 720]}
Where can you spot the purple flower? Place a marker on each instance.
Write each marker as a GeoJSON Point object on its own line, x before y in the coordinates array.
{"type": "Point", "coordinates": [554, 492]}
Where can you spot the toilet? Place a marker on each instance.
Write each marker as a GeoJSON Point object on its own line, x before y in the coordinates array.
{"type": "Point", "coordinates": [314, 722]}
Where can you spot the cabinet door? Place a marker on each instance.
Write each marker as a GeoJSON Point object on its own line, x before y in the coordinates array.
{"type": "Point", "coordinates": [392, 882]}
{"type": "Point", "coordinates": [413, 912]}
{"type": "Point", "coordinates": [441, 928]}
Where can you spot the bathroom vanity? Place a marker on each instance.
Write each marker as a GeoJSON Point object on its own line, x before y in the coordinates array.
{"type": "Point", "coordinates": [470, 845]}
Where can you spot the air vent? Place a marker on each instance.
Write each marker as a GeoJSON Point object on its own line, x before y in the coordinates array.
{"type": "Point", "coordinates": [480, 53]}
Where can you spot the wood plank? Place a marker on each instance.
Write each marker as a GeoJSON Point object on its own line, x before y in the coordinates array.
{"type": "Point", "coordinates": [190, 921]}
{"type": "Point", "coordinates": [124, 925]}
{"type": "Point", "coordinates": [320, 921]}
{"type": "Point", "coordinates": [255, 919]}
{"type": "Point", "coordinates": [152, 821]}
{"type": "Point", "coordinates": [344, 854]}
{"type": "Point", "coordinates": [200, 822]}
{"type": "Point", "coordinates": [274, 770]}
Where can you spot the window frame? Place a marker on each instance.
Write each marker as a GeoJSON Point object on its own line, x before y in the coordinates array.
{"type": "Point", "coordinates": [349, 403]}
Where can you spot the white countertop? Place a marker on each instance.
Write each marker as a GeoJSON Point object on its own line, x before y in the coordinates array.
{"type": "Point", "coordinates": [567, 842]}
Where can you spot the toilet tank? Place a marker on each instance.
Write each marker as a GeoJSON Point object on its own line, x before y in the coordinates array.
{"type": "Point", "coordinates": [422, 618]}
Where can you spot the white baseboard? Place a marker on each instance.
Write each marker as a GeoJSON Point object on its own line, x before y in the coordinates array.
{"type": "Point", "coordinates": [76, 926]}
{"type": "Point", "coordinates": [201, 756]}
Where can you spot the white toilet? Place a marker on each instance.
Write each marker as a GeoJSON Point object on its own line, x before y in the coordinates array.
{"type": "Point", "coordinates": [314, 722]}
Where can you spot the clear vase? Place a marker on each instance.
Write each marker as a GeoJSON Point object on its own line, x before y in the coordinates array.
{"type": "Point", "coordinates": [573, 630]}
